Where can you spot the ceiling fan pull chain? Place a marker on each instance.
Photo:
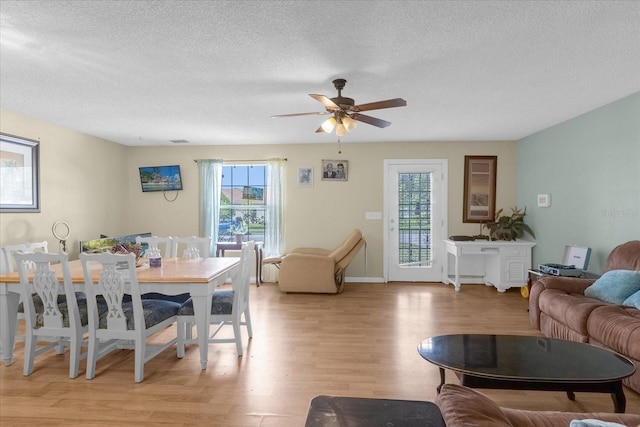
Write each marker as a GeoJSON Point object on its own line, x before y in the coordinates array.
{"type": "Point", "coordinates": [339, 147]}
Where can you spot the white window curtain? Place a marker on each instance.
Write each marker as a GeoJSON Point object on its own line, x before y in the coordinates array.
{"type": "Point", "coordinates": [210, 189]}
{"type": "Point", "coordinates": [274, 223]}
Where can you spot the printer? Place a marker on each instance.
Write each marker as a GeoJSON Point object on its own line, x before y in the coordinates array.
{"type": "Point", "coordinates": [575, 260]}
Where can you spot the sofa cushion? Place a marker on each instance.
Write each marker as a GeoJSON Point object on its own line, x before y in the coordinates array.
{"type": "Point", "coordinates": [618, 328]}
{"type": "Point", "coordinates": [462, 406]}
{"type": "Point", "coordinates": [519, 417]}
{"type": "Point", "coordinates": [571, 310]}
{"type": "Point", "coordinates": [624, 257]}
{"type": "Point", "coordinates": [615, 286]}
{"type": "Point", "coordinates": [633, 300]}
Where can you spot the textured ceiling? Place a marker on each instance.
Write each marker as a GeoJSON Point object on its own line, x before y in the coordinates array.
{"type": "Point", "coordinates": [213, 72]}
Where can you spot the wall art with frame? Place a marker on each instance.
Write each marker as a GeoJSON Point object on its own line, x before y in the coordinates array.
{"type": "Point", "coordinates": [19, 174]}
{"type": "Point", "coordinates": [335, 170]}
{"type": "Point", "coordinates": [479, 203]}
{"type": "Point", "coordinates": [305, 176]}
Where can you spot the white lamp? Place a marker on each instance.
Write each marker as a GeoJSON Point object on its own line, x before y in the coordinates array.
{"type": "Point", "coordinates": [328, 124]}
{"type": "Point", "coordinates": [349, 123]}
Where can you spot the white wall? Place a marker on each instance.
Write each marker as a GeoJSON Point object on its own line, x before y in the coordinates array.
{"type": "Point", "coordinates": [94, 185]}
{"type": "Point", "coordinates": [83, 181]}
{"type": "Point", "coordinates": [323, 215]}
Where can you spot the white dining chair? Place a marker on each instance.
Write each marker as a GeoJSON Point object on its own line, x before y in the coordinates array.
{"type": "Point", "coordinates": [9, 250]}
{"type": "Point", "coordinates": [127, 320]}
{"type": "Point", "coordinates": [161, 245]}
{"type": "Point", "coordinates": [228, 306]}
{"type": "Point", "coordinates": [51, 310]}
{"type": "Point", "coordinates": [191, 247]}
{"type": "Point", "coordinates": [8, 267]}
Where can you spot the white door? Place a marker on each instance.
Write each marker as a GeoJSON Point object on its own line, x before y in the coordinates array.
{"type": "Point", "coordinates": [415, 219]}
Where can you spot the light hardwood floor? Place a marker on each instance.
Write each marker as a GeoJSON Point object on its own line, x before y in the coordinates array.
{"type": "Point", "coordinates": [360, 343]}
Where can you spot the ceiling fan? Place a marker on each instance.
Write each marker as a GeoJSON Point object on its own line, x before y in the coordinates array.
{"type": "Point", "coordinates": [345, 114]}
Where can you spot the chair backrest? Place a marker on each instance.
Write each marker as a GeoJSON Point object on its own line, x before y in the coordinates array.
{"type": "Point", "coordinates": [242, 280]}
{"type": "Point", "coordinates": [9, 250]}
{"type": "Point", "coordinates": [348, 249]}
{"type": "Point", "coordinates": [163, 245]}
{"type": "Point", "coordinates": [191, 247]}
{"type": "Point", "coordinates": [117, 278]}
{"type": "Point", "coordinates": [45, 283]}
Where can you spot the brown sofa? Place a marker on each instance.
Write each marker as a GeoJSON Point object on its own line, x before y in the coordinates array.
{"type": "Point", "coordinates": [319, 270]}
{"type": "Point", "coordinates": [462, 406]}
{"type": "Point", "coordinates": [559, 308]}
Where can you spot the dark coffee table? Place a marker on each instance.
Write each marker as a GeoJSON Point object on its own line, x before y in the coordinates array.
{"type": "Point", "coordinates": [529, 363]}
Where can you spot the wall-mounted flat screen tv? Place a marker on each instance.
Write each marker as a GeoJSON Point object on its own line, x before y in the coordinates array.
{"type": "Point", "coordinates": [160, 178]}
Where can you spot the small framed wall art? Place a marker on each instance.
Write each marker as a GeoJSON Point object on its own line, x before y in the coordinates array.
{"type": "Point", "coordinates": [305, 177]}
{"type": "Point", "coordinates": [335, 170]}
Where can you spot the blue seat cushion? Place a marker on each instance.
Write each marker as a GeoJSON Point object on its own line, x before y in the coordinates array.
{"type": "Point", "coordinates": [62, 306]}
{"type": "Point", "coordinates": [221, 303]}
{"type": "Point", "coordinates": [180, 299]}
{"type": "Point", "coordinates": [154, 311]}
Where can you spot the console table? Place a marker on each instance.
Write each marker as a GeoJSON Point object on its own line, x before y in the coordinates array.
{"type": "Point", "coordinates": [221, 247]}
{"type": "Point", "coordinates": [503, 264]}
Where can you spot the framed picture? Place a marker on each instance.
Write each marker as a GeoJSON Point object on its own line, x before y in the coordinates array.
{"type": "Point", "coordinates": [479, 188]}
{"type": "Point", "coordinates": [335, 170]}
{"type": "Point", "coordinates": [305, 177]}
{"type": "Point", "coordinates": [19, 174]}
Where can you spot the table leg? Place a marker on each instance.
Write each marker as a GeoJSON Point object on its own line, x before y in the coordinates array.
{"type": "Point", "coordinates": [8, 320]}
{"type": "Point", "coordinates": [202, 314]}
{"type": "Point", "coordinates": [619, 400]}
{"type": "Point", "coordinates": [441, 380]}
{"type": "Point", "coordinates": [571, 395]}
{"type": "Point", "coordinates": [456, 284]}
{"type": "Point", "coordinates": [259, 255]}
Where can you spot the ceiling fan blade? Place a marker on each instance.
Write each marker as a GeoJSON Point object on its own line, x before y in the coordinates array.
{"type": "Point", "coordinates": [370, 120]}
{"type": "Point", "coordinates": [300, 114]}
{"type": "Point", "coordinates": [388, 103]}
{"type": "Point", "coordinates": [329, 104]}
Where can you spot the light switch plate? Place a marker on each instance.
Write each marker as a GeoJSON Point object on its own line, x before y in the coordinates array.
{"type": "Point", "coordinates": [544, 200]}
{"type": "Point", "coordinates": [373, 215]}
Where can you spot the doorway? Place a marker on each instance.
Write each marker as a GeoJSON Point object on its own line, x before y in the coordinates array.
{"type": "Point", "coordinates": [415, 212]}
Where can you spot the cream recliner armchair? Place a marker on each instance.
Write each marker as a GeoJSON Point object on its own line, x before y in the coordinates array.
{"type": "Point", "coordinates": [319, 270]}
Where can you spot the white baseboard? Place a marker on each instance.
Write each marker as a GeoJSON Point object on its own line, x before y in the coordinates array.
{"type": "Point", "coordinates": [363, 280]}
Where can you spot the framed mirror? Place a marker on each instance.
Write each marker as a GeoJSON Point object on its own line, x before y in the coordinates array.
{"type": "Point", "coordinates": [479, 188]}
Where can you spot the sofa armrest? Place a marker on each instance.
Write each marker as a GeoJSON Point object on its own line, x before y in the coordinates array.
{"type": "Point", "coordinates": [570, 285]}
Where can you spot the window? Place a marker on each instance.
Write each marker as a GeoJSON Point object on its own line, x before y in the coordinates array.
{"type": "Point", "coordinates": [243, 202]}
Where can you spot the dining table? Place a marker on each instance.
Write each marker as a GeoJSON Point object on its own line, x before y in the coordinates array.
{"type": "Point", "coordinates": [199, 277]}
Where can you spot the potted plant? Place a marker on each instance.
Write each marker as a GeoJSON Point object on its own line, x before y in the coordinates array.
{"type": "Point", "coordinates": [509, 227]}
{"type": "Point", "coordinates": [239, 229]}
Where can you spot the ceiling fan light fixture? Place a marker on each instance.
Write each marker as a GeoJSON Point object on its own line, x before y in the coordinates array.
{"type": "Point", "coordinates": [328, 124]}
{"type": "Point", "coordinates": [349, 123]}
{"type": "Point", "coordinates": [341, 130]}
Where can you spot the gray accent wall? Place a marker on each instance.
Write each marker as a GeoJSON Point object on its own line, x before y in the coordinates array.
{"type": "Point", "coordinates": [590, 165]}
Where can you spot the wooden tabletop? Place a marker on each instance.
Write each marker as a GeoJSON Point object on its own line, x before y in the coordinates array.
{"type": "Point", "coordinates": [173, 270]}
